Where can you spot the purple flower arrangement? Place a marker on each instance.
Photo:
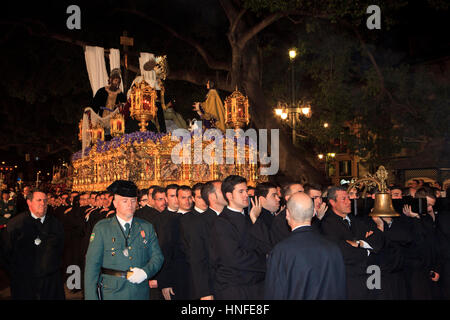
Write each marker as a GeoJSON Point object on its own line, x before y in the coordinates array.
{"type": "Point", "coordinates": [139, 136]}
{"type": "Point", "coordinates": [116, 142]}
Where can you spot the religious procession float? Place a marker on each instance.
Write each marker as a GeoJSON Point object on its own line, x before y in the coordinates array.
{"type": "Point", "coordinates": [147, 157]}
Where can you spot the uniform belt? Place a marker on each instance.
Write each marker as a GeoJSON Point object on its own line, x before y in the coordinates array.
{"type": "Point", "coordinates": [116, 273]}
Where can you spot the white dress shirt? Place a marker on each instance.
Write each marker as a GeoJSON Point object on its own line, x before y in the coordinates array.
{"type": "Point", "coordinates": [122, 222]}
{"type": "Point", "coordinates": [41, 218]}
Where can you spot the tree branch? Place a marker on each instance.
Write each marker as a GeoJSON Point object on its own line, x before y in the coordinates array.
{"type": "Point", "coordinates": [229, 9]}
{"type": "Point", "coordinates": [236, 21]}
{"type": "Point", "coordinates": [210, 61]}
{"type": "Point", "coordinates": [199, 78]}
{"type": "Point", "coordinates": [257, 28]}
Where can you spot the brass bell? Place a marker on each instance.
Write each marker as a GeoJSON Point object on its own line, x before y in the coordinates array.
{"type": "Point", "coordinates": [383, 206]}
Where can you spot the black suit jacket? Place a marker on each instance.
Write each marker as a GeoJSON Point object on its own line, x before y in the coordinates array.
{"type": "Point", "coordinates": [199, 254]}
{"type": "Point", "coordinates": [305, 266]}
{"type": "Point", "coordinates": [34, 269]}
{"type": "Point", "coordinates": [239, 258]}
{"type": "Point", "coordinates": [356, 259]}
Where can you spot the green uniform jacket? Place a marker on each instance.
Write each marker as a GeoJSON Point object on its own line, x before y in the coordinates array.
{"type": "Point", "coordinates": [105, 250]}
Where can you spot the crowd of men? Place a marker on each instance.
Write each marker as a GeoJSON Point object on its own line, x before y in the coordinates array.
{"type": "Point", "coordinates": [227, 240]}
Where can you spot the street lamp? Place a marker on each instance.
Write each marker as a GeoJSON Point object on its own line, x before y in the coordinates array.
{"type": "Point", "coordinates": [293, 113]}
{"type": "Point", "coordinates": [292, 55]}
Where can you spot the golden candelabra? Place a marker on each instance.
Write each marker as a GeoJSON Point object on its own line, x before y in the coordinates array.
{"type": "Point", "coordinates": [143, 103]}
{"type": "Point", "coordinates": [117, 125]}
{"type": "Point", "coordinates": [236, 110]}
{"type": "Point", "coordinates": [97, 133]}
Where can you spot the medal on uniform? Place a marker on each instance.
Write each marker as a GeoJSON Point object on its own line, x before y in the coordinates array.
{"type": "Point", "coordinates": [125, 252]}
{"type": "Point", "coordinates": [37, 241]}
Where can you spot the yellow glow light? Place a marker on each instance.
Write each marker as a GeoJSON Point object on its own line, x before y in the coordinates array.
{"type": "Point", "coordinates": [292, 53]}
{"type": "Point", "coordinates": [284, 116]}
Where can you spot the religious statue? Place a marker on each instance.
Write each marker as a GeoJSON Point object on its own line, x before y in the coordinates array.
{"type": "Point", "coordinates": [212, 110]}
{"type": "Point", "coordinates": [107, 98]}
{"type": "Point", "coordinates": [172, 118]}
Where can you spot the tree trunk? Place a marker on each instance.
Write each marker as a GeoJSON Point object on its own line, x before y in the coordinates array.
{"type": "Point", "coordinates": [293, 164]}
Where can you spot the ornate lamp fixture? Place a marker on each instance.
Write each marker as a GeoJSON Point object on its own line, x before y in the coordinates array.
{"type": "Point", "coordinates": [236, 109]}
{"type": "Point", "coordinates": [97, 133]}
{"type": "Point", "coordinates": [117, 125]}
{"type": "Point", "coordinates": [143, 107]}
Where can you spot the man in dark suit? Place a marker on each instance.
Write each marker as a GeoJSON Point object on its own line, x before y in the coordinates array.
{"type": "Point", "coordinates": [266, 193]}
{"type": "Point", "coordinates": [199, 259]}
{"type": "Point", "coordinates": [32, 248]}
{"type": "Point", "coordinates": [315, 265]}
{"type": "Point", "coordinates": [181, 281]}
{"type": "Point", "coordinates": [355, 237]}
{"type": "Point", "coordinates": [239, 258]}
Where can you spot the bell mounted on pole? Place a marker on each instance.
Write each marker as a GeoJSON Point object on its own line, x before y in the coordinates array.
{"type": "Point", "coordinates": [383, 202]}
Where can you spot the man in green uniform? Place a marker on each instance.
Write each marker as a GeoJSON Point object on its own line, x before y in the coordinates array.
{"type": "Point", "coordinates": [123, 251]}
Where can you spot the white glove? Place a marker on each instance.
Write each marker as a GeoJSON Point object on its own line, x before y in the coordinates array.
{"type": "Point", "coordinates": [138, 275]}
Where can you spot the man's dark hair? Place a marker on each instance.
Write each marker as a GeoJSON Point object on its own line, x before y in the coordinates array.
{"type": "Point", "coordinates": [286, 187]}
{"type": "Point", "coordinates": [211, 84]}
{"type": "Point", "coordinates": [32, 192]}
{"type": "Point", "coordinates": [183, 188]}
{"type": "Point", "coordinates": [158, 190]}
{"type": "Point", "coordinates": [207, 189]}
{"type": "Point", "coordinates": [5, 192]}
{"type": "Point", "coordinates": [142, 193]}
{"type": "Point", "coordinates": [262, 189]}
{"type": "Point", "coordinates": [425, 192]}
{"type": "Point", "coordinates": [197, 186]}
{"type": "Point", "coordinates": [152, 188]}
{"type": "Point", "coordinates": [332, 192]}
{"type": "Point", "coordinates": [230, 182]}
{"type": "Point", "coordinates": [172, 186]}
{"type": "Point", "coordinates": [312, 186]}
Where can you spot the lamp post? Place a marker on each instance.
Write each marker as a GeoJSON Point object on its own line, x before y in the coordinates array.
{"type": "Point", "coordinates": [292, 113]}
{"type": "Point", "coordinates": [292, 55]}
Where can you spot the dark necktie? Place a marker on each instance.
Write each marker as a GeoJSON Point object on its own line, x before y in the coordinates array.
{"type": "Point", "coordinates": [127, 228]}
{"type": "Point", "coordinates": [347, 223]}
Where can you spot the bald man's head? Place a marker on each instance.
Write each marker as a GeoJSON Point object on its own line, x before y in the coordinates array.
{"type": "Point", "coordinates": [300, 210]}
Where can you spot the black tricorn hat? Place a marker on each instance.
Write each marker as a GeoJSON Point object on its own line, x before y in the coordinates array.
{"type": "Point", "coordinates": [123, 188]}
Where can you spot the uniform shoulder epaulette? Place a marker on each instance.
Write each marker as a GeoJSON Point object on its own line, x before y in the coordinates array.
{"type": "Point", "coordinates": [67, 210]}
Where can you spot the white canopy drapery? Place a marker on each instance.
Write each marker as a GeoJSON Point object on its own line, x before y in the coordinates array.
{"type": "Point", "coordinates": [96, 68]}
